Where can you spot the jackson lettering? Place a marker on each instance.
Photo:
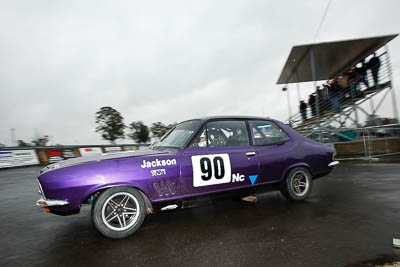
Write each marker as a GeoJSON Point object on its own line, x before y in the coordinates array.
{"type": "Point", "coordinates": [158, 163]}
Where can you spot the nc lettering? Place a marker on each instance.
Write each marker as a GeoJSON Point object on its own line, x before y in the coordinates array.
{"type": "Point", "coordinates": [237, 177]}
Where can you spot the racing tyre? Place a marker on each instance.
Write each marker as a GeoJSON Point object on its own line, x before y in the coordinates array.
{"type": "Point", "coordinates": [118, 212]}
{"type": "Point", "coordinates": [297, 184]}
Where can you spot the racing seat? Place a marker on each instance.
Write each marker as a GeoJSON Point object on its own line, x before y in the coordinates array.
{"type": "Point", "coordinates": [237, 139]}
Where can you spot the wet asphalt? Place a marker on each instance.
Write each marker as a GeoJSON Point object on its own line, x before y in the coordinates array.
{"type": "Point", "coordinates": [349, 219]}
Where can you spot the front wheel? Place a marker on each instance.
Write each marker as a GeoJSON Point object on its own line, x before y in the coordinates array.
{"type": "Point", "coordinates": [118, 212]}
{"type": "Point", "coordinates": [297, 185]}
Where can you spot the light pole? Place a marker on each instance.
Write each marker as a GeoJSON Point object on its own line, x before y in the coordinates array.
{"type": "Point", "coordinates": [285, 89]}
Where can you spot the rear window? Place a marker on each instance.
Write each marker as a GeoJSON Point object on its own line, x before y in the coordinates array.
{"type": "Point", "coordinates": [266, 133]}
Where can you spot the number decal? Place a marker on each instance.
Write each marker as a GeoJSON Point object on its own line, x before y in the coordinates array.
{"type": "Point", "coordinates": [211, 169]}
{"type": "Point", "coordinates": [205, 166]}
{"type": "Point", "coordinates": [219, 168]}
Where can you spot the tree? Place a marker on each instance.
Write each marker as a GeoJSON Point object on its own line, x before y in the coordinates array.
{"type": "Point", "coordinates": [172, 125]}
{"type": "Point", "coordinates": [40, 140]}
{"type": "Point", "coordinates": [110, 124]}
{"type": "Point", "coordinates": [22, 143]}
{"type": "Point", "coordinates": [158, 129]}
{"type": "Point", "coordinates": [139, 132]}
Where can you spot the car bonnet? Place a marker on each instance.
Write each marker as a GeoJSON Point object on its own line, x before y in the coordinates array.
{"type": "Point", "coordinates": [86, 159]}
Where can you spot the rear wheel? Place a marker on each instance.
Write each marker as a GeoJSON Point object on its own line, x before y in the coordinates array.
{"type": "Point", "coordinates": [297, 185]}
{"type": "Point", "coordinates": [118, 212]}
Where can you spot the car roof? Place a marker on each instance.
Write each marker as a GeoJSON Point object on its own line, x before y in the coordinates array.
{"type": "Point", "coordinates": [233, 117]}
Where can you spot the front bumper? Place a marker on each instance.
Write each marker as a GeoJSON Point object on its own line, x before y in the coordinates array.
{"type": "Point", "coordinates": [333, 163]}
{"type": "Point", "coordinates": [44, 203]}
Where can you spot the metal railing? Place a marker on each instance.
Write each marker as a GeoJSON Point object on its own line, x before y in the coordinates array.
{"type": "Point", "coordinates": [350, 98]}
{"type": "Point", "coordinates": [367, 143]}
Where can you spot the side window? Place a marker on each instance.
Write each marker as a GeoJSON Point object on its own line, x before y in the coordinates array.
{"type": "Point", "coordinates": [227, 133]}
{"type": "Point", "coordinates": [200, 140]}
{"type": "Point", "coordinates": [267, 132]}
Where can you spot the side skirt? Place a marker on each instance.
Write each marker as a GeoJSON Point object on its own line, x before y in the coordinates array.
{"type": "Point", "coordinates": [191, 202]}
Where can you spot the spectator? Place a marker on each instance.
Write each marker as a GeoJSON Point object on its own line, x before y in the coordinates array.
{"type": "Point", "coordinates": [303, 110]}
{"type": "Point", "coordinates": [354, 79]}
{"type": "Point", "coordinates": [336, 95]}
{"type": "Point", "coordinates": [362, 71]}
{"type": "Point", "coordinates": [374, 64]}
{"type": "Point", "coordinates": [323, 98]}
{"type": "Point", "coordinates": [343, 82]}
{"type": "Point", "coordinates": [311, 103]}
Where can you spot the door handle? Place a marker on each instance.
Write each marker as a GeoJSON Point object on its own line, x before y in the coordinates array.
{"type": "Point", "coordinates": [250, 154]}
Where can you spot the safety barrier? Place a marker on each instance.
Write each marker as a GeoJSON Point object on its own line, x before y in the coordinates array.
{"type": "Point", "coordinates": [28, 156]}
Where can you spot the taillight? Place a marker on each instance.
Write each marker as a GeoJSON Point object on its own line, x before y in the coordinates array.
{"type": "Point", "coordinates": [334, 157]}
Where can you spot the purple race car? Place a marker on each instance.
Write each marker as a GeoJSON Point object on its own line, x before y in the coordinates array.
{"type": "Point", "coordinates": [199, 158]}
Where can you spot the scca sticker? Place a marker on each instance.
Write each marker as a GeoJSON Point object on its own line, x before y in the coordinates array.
{"type": "Point", "coordinates": [211, 169]}
{"type": "Point", "coordinates": [158, 172]}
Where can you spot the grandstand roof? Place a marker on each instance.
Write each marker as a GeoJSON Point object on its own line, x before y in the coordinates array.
{"type": "Point", "coordinates": [330, 58]}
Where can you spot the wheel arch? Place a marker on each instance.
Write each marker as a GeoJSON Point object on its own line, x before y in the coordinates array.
{"type": "Point", "coordinates": [92, 194]}
{"type": "Point", "coordinates": [291, 167]}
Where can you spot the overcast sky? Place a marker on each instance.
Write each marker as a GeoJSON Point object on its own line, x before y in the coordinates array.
{"type": "Point", "coordinates": [60, 61]}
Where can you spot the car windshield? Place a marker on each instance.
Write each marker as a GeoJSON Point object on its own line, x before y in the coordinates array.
{"type": "Point", "coordinates": [178, 136]}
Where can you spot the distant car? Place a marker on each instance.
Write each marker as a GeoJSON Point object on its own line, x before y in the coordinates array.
{"type": "Point", "coordinates": [206, 157]}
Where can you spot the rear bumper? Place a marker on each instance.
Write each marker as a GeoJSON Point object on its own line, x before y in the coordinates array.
{"type": "Point", "coordinates": [45, 203]}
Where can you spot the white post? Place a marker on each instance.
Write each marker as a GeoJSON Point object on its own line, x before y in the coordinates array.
{"type": "Point", "coordinates": [298, 89]}
{"type": "Point", "coordinates": [394, 102]}
{"type": "Point", "coordinates": [314, 77]}
{"type": "Point", "coordinates": [288, 102]}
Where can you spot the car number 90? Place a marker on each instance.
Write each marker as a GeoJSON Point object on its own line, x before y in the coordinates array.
{"type": "Point", "coordinates": [211, 169]}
